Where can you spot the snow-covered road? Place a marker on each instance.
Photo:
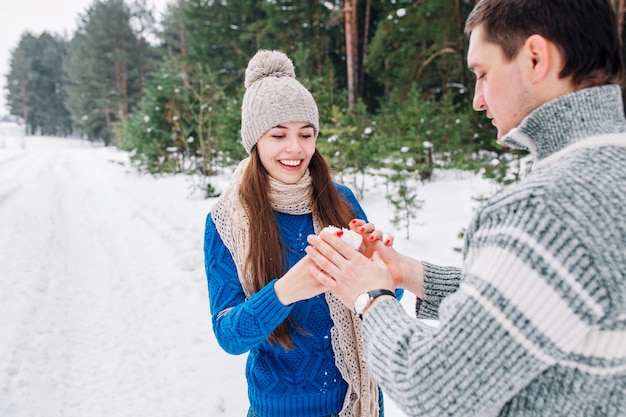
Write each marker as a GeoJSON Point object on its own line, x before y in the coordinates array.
{"type": "Point", "coordinates": [103, 307]}
{"type": "Point", "coordinates": [103, 297]}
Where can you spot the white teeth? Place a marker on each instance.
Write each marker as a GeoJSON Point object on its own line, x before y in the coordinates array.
{"type": "Point", "coordinates": [290, 162]}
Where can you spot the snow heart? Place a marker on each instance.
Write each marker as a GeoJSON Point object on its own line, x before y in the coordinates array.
{"type": "Point", "coordinates": [351, 237]}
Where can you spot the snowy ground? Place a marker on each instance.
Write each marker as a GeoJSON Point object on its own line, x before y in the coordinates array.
{"type": "Point", "coordinates": [103, 298]}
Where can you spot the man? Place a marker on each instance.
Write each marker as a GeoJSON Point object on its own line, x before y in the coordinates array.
{"type": "Point", "coordinates": [534, 323]}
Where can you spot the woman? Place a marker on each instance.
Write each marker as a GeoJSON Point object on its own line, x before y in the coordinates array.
{"type": "Point", "coordinates": [303, 345]}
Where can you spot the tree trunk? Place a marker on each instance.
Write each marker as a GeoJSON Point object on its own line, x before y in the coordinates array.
{"type": "Point", "coordinates": [366, 30]}
{"type": "Point", "coordinates": [122, 87]}
{"type": "Point", "coordinates": [352, 64]}
{"type": "Point", "coordinates": [25, 108]}
{"type": "Point", "coordinates": [181, 39]}
{"type": "Point", "coordinates": [462, 43]}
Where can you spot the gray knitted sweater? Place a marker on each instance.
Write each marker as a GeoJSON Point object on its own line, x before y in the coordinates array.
{"type": "Point", "coordinates": [534, 324]}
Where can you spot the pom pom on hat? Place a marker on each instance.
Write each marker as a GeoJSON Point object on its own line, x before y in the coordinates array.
{"type": "Point", "coordinates": [268, 64]}
{"type": "Point", "coordinates": [273, 96]}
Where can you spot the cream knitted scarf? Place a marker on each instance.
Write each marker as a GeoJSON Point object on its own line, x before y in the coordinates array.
{"type": "Point", "coordinates": [232, 224]}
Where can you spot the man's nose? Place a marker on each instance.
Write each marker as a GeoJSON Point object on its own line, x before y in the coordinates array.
{"type": "Point", "coordinates": [479, 103]}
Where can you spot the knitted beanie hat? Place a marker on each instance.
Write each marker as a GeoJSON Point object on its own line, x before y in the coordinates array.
{"type": "Point", "coordinates": [273, 96]}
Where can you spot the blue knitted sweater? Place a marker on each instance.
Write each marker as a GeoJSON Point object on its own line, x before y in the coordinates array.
{"type": "Point", "coordinates": [303, 382]}
{"type": "Point", "coordinates": [534, 323]}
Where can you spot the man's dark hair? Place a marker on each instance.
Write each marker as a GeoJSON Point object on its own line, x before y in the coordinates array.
{"type": "Point", "coordinates": [585, 31]}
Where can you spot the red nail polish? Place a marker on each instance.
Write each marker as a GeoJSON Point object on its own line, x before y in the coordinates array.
{"type": "Point", "coordinates": [339, 233]}
{"type": "Point", "coordinates": [353, 221]}
{"type": "Point", "coordinates": [371, 238]}
{"type": "Point", "coordinates": [387, 242]}
{"type": "Point", "coordinates": [362, 229]}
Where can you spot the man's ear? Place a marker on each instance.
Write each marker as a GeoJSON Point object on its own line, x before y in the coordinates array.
{"type": "Point", "coordinates": [544, 59]}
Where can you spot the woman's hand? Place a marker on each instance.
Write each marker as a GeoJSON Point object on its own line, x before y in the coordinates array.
{"type": "Point", "coordinates": [298, 283]}
{"type": "Point", "coordinates": [370, 236]}
{"type": "Point", "coordinates": [407, 272]}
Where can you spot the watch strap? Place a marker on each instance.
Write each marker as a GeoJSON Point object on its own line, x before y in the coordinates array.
{"type": "Point", "coordinates": [377, 293]}
{"type": "Point", "coordinates": [373, 294]}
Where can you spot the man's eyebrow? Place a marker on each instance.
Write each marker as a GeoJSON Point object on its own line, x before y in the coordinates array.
{"type": "Point", "coordinates": [472, 66]}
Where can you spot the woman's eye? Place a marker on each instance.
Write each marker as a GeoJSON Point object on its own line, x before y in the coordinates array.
{"type": "Point", "coordinates": [278, 136]}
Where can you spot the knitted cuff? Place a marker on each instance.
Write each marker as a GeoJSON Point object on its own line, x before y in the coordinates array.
{"type": "Point", "coordinates": [268, 306]}
{"type": "Point", "coordinates": [438, 283]}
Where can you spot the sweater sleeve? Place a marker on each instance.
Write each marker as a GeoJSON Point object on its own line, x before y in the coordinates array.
{"type": "Point", "coordinates": [439, 282]}
{"type": "Point", "coordinates": [518, 311]}
{"type": "Point", "coordinates": [238, 324]}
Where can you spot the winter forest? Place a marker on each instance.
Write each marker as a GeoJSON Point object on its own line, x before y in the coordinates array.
{"type": "Point", "coordinates": [389, 76]}
{"type": "Point", "coordinates": [103, 298]}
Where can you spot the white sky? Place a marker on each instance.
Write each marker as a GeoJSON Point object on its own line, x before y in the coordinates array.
{"type": "Point", "coordinates": [36, 16]}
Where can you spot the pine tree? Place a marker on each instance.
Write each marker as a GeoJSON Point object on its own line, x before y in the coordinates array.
{"type": "Point", "coordinates": [403, 196]}
{"type": "Point", "coordinates": [216, 33]}
{"type": "Point", "coordinates": [107, 66]}
{"type": "Point", "coordinates": [420, 42]}
{"type": "Point", "coordinates": [20, 76]}
{"type": "Point", "coordinates": [36, 85]}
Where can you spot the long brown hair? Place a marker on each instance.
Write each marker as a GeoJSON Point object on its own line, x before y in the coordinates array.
{"type": "Point", "coordinates": [267, 253]}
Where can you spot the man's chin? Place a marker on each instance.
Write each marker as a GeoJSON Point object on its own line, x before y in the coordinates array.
{"type": "Point", "coordinates": [500, 136]}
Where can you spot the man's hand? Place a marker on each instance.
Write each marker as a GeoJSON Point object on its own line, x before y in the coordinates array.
{"type": "Point", "coordinates": [344, 271]}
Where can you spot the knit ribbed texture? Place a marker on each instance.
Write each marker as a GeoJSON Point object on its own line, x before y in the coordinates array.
{"type": "Point", "coordinates": [273, 96]}
{"type": "Point", "coordinates": [537, 326]}
{"type": "Point", "coordinates": [304, 381]}
{"type": "Point", "coordinates": [443, 281]}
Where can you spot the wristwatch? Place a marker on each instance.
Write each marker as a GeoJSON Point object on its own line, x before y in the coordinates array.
{"type": "Point", "coordinates": [364, 300]}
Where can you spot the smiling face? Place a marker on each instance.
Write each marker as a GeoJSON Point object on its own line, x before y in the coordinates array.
{"type": "Point", "coordinates": [502, 88]}
{"type": "Point", "coordinates": [286, 150]}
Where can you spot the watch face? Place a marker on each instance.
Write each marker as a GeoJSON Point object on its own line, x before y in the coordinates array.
{"type": "Point", "coordinates": [361, 302]}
